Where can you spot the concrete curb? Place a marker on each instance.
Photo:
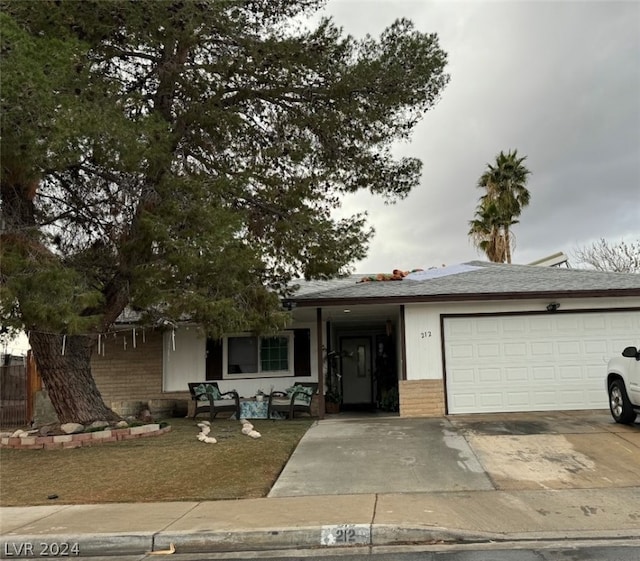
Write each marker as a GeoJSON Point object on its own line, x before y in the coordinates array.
{"type": "Point", "coordinates": [388, 534]}
{"type": "Point", "coordinates": [268, 539]}
{"type": "Point", "coordinates": [383, 535]}
{"type": "Point", "coordinates": [240, 540]}
{"type": "Point", "coordinates": [310, 538]}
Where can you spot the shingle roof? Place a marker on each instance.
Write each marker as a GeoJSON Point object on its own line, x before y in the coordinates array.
{"type": "Point", "coordinates": [491, 280]}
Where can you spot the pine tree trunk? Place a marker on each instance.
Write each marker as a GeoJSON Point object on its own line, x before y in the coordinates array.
{"type": "Point", "coordinates": [67, 377]}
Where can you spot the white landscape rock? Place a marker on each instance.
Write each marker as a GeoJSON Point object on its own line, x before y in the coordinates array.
{"type": "Point", "coordinates": [205, 429]}
{"type": "Point", "coordinates": [247, 428]}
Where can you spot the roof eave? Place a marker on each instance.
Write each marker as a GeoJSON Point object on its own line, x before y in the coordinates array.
{"type": "Point", "coordinates": [489, 296]}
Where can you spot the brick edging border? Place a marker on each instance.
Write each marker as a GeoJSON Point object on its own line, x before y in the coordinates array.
{"type": "Point", "coordinates": [81, 439]}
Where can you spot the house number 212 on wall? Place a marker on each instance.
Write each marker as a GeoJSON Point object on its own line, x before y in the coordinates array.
{"type": "Point", "coordinates": [425, 334]}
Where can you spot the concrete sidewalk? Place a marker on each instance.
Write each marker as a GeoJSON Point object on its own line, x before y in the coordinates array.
{"type": "Point", "coordinates": [308, 522]}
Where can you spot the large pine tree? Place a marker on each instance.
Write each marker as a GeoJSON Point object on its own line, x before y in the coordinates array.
{"type": "Point", "coordinates": [184, 158]}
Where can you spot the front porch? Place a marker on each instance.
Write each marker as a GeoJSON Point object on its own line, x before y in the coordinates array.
{"type": "Point", "coordinates": [360, 356]}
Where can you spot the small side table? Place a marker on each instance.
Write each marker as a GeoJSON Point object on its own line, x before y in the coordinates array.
{"type": "Point", "coordinates": [253, 409]}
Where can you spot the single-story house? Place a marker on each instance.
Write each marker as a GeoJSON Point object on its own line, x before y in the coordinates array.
{"type": "Point", "coordinates": [472, 338]}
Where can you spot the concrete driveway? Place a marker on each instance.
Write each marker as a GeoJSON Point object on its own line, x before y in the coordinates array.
{"type": "Point", "coordinates": [559, 450]}
{"type": "Point", "coordinates": [524, 451]}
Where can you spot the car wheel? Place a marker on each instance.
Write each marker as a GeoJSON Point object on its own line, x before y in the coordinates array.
{"type": "Point", "coordinates": [619, 403]}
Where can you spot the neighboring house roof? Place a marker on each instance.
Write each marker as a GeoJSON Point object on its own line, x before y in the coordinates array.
{"type": "Point", "coordinates": [554, 260]}
{"type": "Point", "coordinates": [471, 281]}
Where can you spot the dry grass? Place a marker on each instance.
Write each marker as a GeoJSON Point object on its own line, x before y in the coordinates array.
{"type": "Point", "coordinates": [172, 467]}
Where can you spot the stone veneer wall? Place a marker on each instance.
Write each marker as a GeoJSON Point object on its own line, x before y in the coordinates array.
{"type": "Point", "coordinates": [81, 439]}
{"type": "Point", "coordinates": [421, 398]}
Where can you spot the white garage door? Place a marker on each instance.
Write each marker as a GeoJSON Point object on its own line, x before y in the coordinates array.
{"type": "Point", "coordinates": [554, 361]}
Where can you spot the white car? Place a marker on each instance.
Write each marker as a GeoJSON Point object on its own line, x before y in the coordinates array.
{"type": "Point", "coordinates": [623, 386]}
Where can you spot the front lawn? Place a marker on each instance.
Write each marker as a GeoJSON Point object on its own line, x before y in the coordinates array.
{"type": "Point", "coordinates": [171, 467]}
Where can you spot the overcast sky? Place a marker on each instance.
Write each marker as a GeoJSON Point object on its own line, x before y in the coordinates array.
{"type": "Point", "coordinates": [558, 81]}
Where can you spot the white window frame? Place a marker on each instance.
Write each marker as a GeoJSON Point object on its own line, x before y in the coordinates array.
{"type": "Point", "coordinates": [289, 335]}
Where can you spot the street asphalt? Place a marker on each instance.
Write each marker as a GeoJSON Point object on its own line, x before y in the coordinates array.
{"type": "Point", "coordinates": [380, 481]}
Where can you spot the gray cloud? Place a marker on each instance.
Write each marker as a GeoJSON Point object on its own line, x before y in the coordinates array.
{"type": "Point", "coordinates": [559, 81]}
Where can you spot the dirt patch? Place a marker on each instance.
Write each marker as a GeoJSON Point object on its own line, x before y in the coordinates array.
{"type": "Point", "coordinates": [547, 461]}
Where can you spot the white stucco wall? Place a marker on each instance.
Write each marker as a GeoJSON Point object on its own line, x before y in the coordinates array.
{"type": "Point", "coordinates": [424, 337]}
{"type": "Point", "coordinates": [184, 360]}
{"type": "Point", "coordinates": [187, 363]}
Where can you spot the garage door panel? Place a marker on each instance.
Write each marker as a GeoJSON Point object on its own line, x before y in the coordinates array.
{"type": "Point", "coordinates": [461, 351]}
{"type": "Point", "coordinates": [464, 401]}
{"type": "Point", "coordinates": [566, 325]}
{"type": "Point", "coordinates": [544, 399]}
{"type": "Point", "coordinates": [623, 322]}
{"type": "Point", "coordinates": [593, 396]}
{"type": "Point", "coordinates": [515, 350]}
{"type": "Point", "coordinates": [533, 363]}
{"type": "Point", "coordinates": [514, 325]}
{"type": "Point", "coordinates": [488, 351]}
{"type": "Point", "coordinates": [491, 400]}
{"type": "Point", "coordinates": [461, 329]}
{"type": "Point", "coordinates": [598, 348]}
{"type": "Point", "coordinates": [541, 349]}
{"type": "Point", "coordinates": [516, 374]}
{"type": "Point", "coordinates": [463, 376]}
{"type": "Point", "coordinates": [570, 373]}
{"type": "Point", "coordinates": [573, 400]}
{"type": "Point", "coordinates": [488, 327]}
{"type": "Point", "coordinates": [517, 399]}
{"type": "Point", "coordinates": [539, 324]}
{"type": "Point", "coordinates": [543, 373]}
{"type": "Point", "coordinates": [595, 323]}
{"type": "Point", "coordinates": [569, 348]}
{"type": "Point", "coordinates": [488, 375]}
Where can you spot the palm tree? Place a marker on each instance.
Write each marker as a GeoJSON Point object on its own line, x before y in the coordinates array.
{"type": "Point", "coordinates": [506, 195]}
{"type": "Point", "coordinates": [486, 233]}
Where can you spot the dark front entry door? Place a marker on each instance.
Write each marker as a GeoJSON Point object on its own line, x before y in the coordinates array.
{"type": "Point", "coordinates": [356, 370]}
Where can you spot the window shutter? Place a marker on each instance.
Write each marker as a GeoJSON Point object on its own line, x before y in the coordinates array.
{"type": "Point", "coordinates": [214, 359]}
{"type": "Point", "coordinates": [302, 352]}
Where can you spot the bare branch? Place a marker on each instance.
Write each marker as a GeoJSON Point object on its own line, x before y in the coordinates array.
{"type": "Point", "coordinates": [621, 257]}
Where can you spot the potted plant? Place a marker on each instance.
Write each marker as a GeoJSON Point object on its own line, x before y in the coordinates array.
{"type": "Point", "coordinates": [332, 400]}
{"type": "Point", "coordinates": [390, 400]}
